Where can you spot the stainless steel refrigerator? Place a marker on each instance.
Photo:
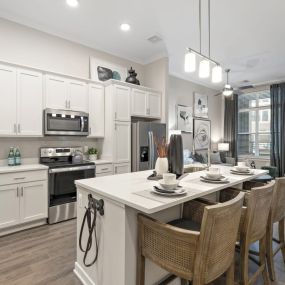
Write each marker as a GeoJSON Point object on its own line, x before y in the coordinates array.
{"type": "Point", "coordinates": [144, 153]}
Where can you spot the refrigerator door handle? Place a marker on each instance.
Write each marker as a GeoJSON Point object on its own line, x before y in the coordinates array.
{"type": "Point", "coordinates": [151, 150]}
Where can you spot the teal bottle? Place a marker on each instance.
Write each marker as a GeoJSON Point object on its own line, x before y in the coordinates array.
{"type": "Point", "coordinates": [11, 157]}
{"type": "Point", "coordinates": [17, 157]}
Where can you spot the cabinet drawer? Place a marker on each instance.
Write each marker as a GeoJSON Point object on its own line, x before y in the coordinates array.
{"type": "Point", "coordinates": [104, 174]}
{"type": "Point", "coordinates": [22, 177]}
{"type": "Point", "coordinates": [102, 168]}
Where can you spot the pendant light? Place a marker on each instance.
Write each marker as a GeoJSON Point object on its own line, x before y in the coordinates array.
{"type": "Point", "coordinates": [217, 74]}
{"type": "Point", "coordinates": [228, 90]}
{"type": "Point", "coordinates": [190, 61]}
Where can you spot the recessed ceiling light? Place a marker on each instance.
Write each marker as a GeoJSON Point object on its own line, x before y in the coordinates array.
{"type": "Point", "coordinates": [125, 27]}
{"type": "Point", "coordinates": [72, 3]}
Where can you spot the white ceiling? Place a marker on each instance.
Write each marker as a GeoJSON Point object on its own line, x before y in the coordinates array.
{"type": "Point", "coordinates": [247, 36]}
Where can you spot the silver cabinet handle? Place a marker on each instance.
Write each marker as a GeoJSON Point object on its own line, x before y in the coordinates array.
{"type": "Point", "coordinates": [17, 191]}
{"type": "Point", "coordinates": [22, 191]}
{"type": "Point", "coordinates": [19, 128]}
{"type": "Point", "coordinates": [104, 168]}
{"type": "Point", "coordinates": [15, 128]}
{"type": "Point", "coordinates": [19, 178]}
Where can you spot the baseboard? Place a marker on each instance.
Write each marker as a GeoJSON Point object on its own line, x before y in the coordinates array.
{"type": "Point", "coordinates": [22, 227]}
{"type": "Point", "coordinates": [81, 275]}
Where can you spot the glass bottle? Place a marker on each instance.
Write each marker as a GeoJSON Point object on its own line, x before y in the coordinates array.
{"type": "Point", "coordinates": [17, 157]}
{"type": "Point", "coordinates": [11, 157]}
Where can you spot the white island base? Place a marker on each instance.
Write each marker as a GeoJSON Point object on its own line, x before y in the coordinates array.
{"type": "Point", "coordinates": [125, 196]}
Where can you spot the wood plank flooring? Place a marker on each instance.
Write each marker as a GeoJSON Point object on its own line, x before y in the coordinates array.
{"type": "Point", "coordinates": [46, 256]}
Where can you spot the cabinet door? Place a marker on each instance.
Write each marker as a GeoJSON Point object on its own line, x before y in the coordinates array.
{"type": "Point", "coordinates": [122, 168]}
{"type": "Point", "coordinates": [122, 142]}
{"type": "Point", "coordinates": [9, 206]}
{"type": "Point", "coordinates": [77, 96]}
{"type": "Point", "coordinates": [34, 201]}
{"type": "Point", "coordinates": [138, 102]}
{"type": "Point", "coordinates": [8, 96]}
{"type": "Point", "coordinates": [30, 103]}
{"type": "Point", "coordinates": [96, 110]}
{"type": "Point", "coordinates": [56, 92]}
{"type": "Point", "coordinates": [154, 105]}
{"type": "Point", "coordinates": [122, 103]}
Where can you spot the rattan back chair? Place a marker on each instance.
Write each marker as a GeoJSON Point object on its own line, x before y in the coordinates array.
{"type": "Point", "coordinates": [277, 214]}
{"type": "Point", "coordinates": [197, 256]}
{"type": "Point", "coordinates": [253, 227]}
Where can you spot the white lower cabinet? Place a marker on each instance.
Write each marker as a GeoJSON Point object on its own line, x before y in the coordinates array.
{"type": "Point", "coordinates": [23, 202]}
{"type": "Point", "coordinates": [122, 142]}
{"type": "Point", "coordinates": [105, 169]}
{"type": "Point", "coordinates": [120, 168]}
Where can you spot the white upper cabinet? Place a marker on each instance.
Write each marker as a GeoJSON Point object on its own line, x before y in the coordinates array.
{"type": "Point", "coordinates": [8, 96]}
{"type": "Point", "coordinates": [122, 103]}
{"type": "Point", "coordinates": [66, 94]}
{"type": "Point", "coordinates": [56, 92]}
{"type": "Point", "coordinates": [138, 103]}
{"type": "Point", "coordinates": [77, 96]}
{"type": "Point", "coordinates": [30, 103]}
{"type": "Point", "coordinates": [154, 105]}
{"type": "Point", "coordinates": [122, 142]}
{"type": "Point", "coordinates": [96, 111]}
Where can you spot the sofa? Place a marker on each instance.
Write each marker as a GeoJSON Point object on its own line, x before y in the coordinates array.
{"type": "Point", "coordinates": [215, 158]}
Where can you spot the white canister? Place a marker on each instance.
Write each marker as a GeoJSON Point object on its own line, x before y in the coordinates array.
{"type": "Point", "coordinates": [92, 157]}
{"type": "Point", "coordinates": [161, 165]}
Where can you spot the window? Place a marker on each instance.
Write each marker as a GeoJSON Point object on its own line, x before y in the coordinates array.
{"type": "Point", "coordinates": [254, 124]}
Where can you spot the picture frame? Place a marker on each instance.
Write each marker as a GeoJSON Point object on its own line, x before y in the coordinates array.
{"type": "Point", "coordinates": [184, 118]}
{"type": "Point", "coordinates": [95, 62]}
{"type": "Point", "coordinates": [200, 105]}
{"type": "Point", "coordinates": [202, 134]}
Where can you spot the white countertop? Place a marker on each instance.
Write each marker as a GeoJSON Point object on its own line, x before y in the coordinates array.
{"type": "Point", "coordinates": [21, 168]}
{"type": "Point", "coordinates": [124, 188]}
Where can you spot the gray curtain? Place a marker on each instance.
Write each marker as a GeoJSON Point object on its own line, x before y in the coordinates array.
{"type": "Point", "coordinates": [277, 150]}
{"type": "Point", "coordinates": [230, 124]}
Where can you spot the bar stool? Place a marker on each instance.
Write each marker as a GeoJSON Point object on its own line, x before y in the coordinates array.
{"type": "Point", "coordinates": [253, 226]}
{"type": "Point", "coordinates": [197, 256]}
{"type": "Point", "coordinates": [277, 214]}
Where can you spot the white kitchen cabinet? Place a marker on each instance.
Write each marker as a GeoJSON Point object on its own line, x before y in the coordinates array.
{"type": "Point", "coordinates": [66, 94]}
{"type": "Point", "coordinates": [8, 95]}
{"type": "Point", "coordinates": [9, 206]}
{"type": "Point", "coordinates": [154, 105]}
{"type": "Point", "coordinates": [120, 168]}
{"type": "Point", "coordinates": [23, 202]}
{"type": "Point", "coordinates": [138, 102]}
{"type": "Point", "coordinates": [121, 103]}
{"type": "Point", "coordinates": [56, 92]}
{"type": "Point", "coordinates": [122, 142]}
{"type": "Point", "coordinates": [77, 95]}
{"type": "Point", "coordinates": [29, 103]}
{"type": "Point", "coordinates": [96, 111]}
{"type": "Point", "coordinates": [34, 201]}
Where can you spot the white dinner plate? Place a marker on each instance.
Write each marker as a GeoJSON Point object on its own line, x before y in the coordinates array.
{"type": "Point", "coordinates": [213, 179]}
{"type": "Point", "coordinates": [242, 173]}
{"type": "Point", "coordinates": [224, 181]}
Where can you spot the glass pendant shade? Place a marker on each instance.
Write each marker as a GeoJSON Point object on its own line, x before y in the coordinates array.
{"type": "Point", "coordinates": [204, 69]}
{"type": "Point", "coordinates": [228, 90]}
{"type": "Point", "coordinates": [190, 62]}
{"type": "Point", "coordinates": [217, 74]}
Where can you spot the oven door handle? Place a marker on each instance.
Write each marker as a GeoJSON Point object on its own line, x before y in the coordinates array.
{"type": "Point", "coordinates": [69, 169]}
{"type": "Point", "coordinates": [82, 124]}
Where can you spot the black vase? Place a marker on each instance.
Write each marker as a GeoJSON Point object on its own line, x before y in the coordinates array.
{"type": "Point", "coordinates": [132, 78]}
{"type": "Point", "coordinates": [175, 155]}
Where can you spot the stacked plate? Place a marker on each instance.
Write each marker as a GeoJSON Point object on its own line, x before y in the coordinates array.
{"type": "Point", "coordinates": [168, 190]}
{"type": "Point", "coordinates": [217, 180]}
{"type": "Point", "coordinates": [242, 170]}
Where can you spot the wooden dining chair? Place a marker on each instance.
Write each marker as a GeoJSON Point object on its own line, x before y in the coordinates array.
{"type": "Point", "coordinates": [200, 256]}
{"type": "Point", "coordinates": [253, 226]}
{"type": "Point", "coordinates": [277, 214]}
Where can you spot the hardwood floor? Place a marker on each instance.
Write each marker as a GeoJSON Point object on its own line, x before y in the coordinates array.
{"type": "Point", "coordinates": [46, 256]}
{"type": "Point", "coordinates": [40, 256]}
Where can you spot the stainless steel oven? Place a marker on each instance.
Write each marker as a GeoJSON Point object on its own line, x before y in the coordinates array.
{"type": "Point", "coordinates": [66, 123]}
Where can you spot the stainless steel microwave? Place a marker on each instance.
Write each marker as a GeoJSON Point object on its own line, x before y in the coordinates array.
{"type": "Point", "coordinates": [65, 123]}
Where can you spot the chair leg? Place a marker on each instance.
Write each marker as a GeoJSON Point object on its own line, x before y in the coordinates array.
{"type": "Point", "coordinates": [269, 251]}
{"type": "Point", "coordinates": [230, 274]}
{"type": "Point", "coordinates": [262, 258]}
{"type": "Point", "coordinates": [281, 236]}
{"type": "Point", "coordinates": [244, 264]}
{"type": "Point", "coordinates": [141, 270]}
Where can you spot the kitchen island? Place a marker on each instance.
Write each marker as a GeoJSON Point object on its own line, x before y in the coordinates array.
{"type": "Point", "coordinates": [124, 196]}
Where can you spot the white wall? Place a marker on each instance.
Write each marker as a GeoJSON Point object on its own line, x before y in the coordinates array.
{"type": "Point", "coordinates": [181, 92]}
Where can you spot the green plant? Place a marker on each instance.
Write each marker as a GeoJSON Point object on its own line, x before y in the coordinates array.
{"type": "Point", "coordinates": [92, 150]}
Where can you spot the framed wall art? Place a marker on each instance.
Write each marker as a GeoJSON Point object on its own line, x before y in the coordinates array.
{"type": "Point", "coordinates": [184, 118]}
{"type": "Point", "coordinates": [202, 134]}
{"type": "Point", "coordinates": [200, 105]}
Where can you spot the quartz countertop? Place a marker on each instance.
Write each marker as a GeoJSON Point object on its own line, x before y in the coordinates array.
{"type": "Point", "coordinates": [23, 167]}
{"type": "Point", "coordinates": [127, 188]}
